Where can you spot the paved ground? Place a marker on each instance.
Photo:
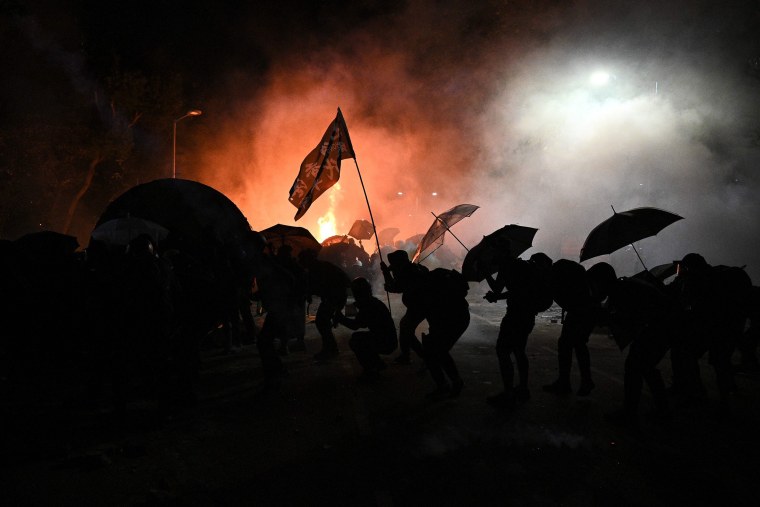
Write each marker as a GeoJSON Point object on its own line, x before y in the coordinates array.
{"type": "Point", "coordinates": [326, 439]}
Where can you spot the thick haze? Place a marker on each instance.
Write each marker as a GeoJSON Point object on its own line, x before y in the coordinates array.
{"type": "Point", "coordinates": [482, 102]}
{"type": "Point", "coordinates": [494, 106]}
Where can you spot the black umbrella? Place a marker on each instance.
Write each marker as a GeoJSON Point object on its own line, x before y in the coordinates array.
{"type": "Point", "coordinates": [386, 236]}
{"type": "Point", "coordinates": [298, 238]}
{"type": "Point", "coordinates": [46, 244]}
{"type": "Point", "coordinates": [659, 273]}
{"type": "Point", "coordinates": [196, 215]}
{"type": "Point", "coordinates": [625, 228]}
{"type": "Point", "coordinates": [120, 231]}
{"type": "Point", "coordinates": [482, 259]}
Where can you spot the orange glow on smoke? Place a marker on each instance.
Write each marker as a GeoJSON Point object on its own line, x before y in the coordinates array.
{"type": "Point", "coordinates": [397, 151]}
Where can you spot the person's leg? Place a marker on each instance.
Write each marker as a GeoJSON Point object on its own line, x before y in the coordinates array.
{"type": "Point", "coordinates": [323, 321]}
{"type": "Point", "coordinates": [504, 352]}
{"type": "Point", "coordinates": [433, 359]}
{"type": "Point", "coordinates": [565, 361]}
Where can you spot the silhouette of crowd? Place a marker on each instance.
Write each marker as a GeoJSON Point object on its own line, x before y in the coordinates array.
{"type": "Point", "coordinates": [135, 318]}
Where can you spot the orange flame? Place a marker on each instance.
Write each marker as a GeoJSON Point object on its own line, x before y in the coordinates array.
{"type": "Point", "coordinates": [328, 226]}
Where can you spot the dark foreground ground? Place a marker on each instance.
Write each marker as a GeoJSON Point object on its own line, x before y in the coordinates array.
{"type": "Point", "coordinates": [326, 439]}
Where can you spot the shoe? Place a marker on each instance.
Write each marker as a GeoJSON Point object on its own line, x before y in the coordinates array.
{"type": "Point", "coordinates": [325, 354]}
{"type": "Point", "coordinates": [456, 388]}
{"type": "Point", "coordinates": [439, 393]}
{"type": "Point", "coordinates": [558, 387]}
{"type": "Point", "coordinates": [403, 359]}
{"type": "Point", "coordinates": [585, 388]}
{"type": "Point", "coordinates": [522, 394]}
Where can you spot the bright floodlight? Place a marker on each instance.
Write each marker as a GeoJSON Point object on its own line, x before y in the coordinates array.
{"type": "Point", "coordinates": [600, 78]}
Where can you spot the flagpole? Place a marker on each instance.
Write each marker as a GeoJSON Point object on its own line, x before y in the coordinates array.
{"type": "Point", "coordinates": [366, 199]}
{"type": "Point", "coordinates": [447, 228]}
{"type": "Point", "coordinates": [371, 219]}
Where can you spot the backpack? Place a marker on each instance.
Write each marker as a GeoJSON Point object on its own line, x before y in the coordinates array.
{"type": "Point", "coordinates": [733, 289]}
{"type": "Point", "coordinates": [568, 283]}
{"type": "Point", "coordinates": [447, 283]}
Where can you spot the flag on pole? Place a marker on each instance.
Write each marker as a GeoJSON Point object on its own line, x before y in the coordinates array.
{"type": "Point", "coordinates": [321, 168]}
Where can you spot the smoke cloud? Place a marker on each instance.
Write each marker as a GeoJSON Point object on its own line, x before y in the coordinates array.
{"type": "Point", "coordinates": [491, 103]}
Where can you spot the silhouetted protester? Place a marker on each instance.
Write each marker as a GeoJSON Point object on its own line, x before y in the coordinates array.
{"type": "Point", "coordinates": [276, 289]}
{"type": "Point", "coordinates": [571, 291]}
{"type": "Point", "coordinates": [295, 340]}
{"type": "Point", "coordinates": [448, 315]}
{"type": "Point", "coordinates": [527, 293]}
{"type": "Point", "coordinates": [408, 279]}
{"type": "Point", "coordinates": [751, 337]}
{"type": "Point", "coordinates": [142, 326]}
{"type": "Point", "coordinates": [640, 316]}
{"type": "Point", "coordinates": [713, 305]}
{"type": "Point", "coordinates": [330, 284]}
{"type": "Point", "coordinates": [380, 336]}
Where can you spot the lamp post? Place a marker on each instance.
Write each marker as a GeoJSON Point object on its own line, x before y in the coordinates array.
{"type": "Point", "coordinates": [193, 112]}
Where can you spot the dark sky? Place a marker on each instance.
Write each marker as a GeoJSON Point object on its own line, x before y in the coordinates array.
{"type": "Point", "coordinates": [486, 102]}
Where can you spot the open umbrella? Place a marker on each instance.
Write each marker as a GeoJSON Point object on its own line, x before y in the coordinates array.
{"type": "Point", "coordinates": [120, 231]}
{"type": "Point", "coordinates": [659, 273]}
{"type": "Point", "coordinates": [46, 244]}
{"type": "Point", "coordinates": [336, 240]}
{"type": "Point", "coordinates": [441, 224]}
{"type": "Point", "coordinates": [298, 238]}
{"type": "Point", "coordinates": [386, 236]}
{"type": "Point", "coordinates": [482, 259]}
{"type": "Point", "coordinates": [362, 229]}
{"type": "Point", "coordinates": [625, 228]}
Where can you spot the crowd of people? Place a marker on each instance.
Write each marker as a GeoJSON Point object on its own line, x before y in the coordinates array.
{"type": "Point", "coordinates": [143, 315]}
{"type": "Point", "coordinates": [704, 310]}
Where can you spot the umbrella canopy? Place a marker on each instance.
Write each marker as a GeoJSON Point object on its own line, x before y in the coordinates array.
{"type": "Point", "coordinates": [624, 228]}
{"type": "Point", "coordinates": [659, 273]}
{"type": "Point", "coordinates": [482, 259]}
{"type": "Point", "coordinates": [362, 229]}
{"type": "Point", "coordinates": [46, 243]}
{"type": "Point", "coordinates": [441, 224]}
{"type": "Point", "coordinates": [120, 231]}
{"type": "Point", "coordinates": [336, 240]}
{"type": "Point", "coordinates": [386, 236]}
{"type": "Point", "coordinates": [298, 238]}
{"type": "Point", "coordinates": [195, 214]}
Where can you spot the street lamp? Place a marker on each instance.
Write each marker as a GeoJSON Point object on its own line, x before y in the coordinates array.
{"type": "Point", "coordinates": [193, 112]}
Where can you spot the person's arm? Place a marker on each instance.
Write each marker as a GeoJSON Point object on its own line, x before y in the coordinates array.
{"type": "Point", "coordinates": [496, 286]}
{"type": "Point", "coordinates": [352, 324]}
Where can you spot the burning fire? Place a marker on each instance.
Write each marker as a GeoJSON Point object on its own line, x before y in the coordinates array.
{"type": "Point", "coordinates": [327, 223]}
{"type": "Point", "coordinates": [327, 226]}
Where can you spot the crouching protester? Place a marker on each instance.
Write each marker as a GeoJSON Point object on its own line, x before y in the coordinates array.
{"type": "Point", "coordinates": [640, 317]}
{"type": "Point", "coordinates": [380, 336]}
